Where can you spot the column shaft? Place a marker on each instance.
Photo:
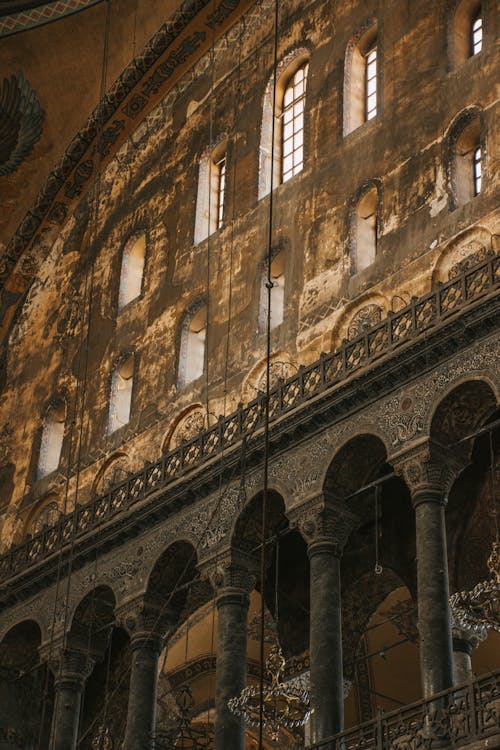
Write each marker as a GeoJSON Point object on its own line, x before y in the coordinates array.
{"type": "Point", "coordinates": [231, 674]}
{"type": "Point", "coordinates": [434, 622]}
{"type": "Point", "coordinates": [68, 698]}
{"type": "Point", "coordinates": [141, 713]}
{"type": "Point", "coordinates": [325, 642]}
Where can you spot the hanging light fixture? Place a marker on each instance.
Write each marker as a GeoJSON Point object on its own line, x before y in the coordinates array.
{"type": "Point", "coordinates": [103, 740]}
{"type": "Point", "coordinates": [285, 706]}
{"type": "Point", "coordinates": [182, 734]}
{"type": "Point", "coordinates": [480, 608]}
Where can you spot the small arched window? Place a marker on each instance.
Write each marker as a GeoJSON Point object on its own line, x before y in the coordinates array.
{"type": "Point", "coordinates": [211, 192]}
{"type": "Point", "coordinates": [52, 440]}
{"type": "Point", "coordinates": [120, 401]}
{"type": "Point", "coordinates": [365, 220]}
{"type": "Point", "coordinates": [286, 159]}
{"type": "Point", "coordinates": [277, 295]}
{"type": "Point", "coordinates": [466, 31]}
{"type": "Point", "coordinates": [361, 77]}
{"type": "Point", "coordinates": [132, 270]}
{"type": "Point", "coordinates": [192, 350]}
{"type": "Point", "coordinates": [476, 37]}
{"type": "Point", "coordinates": [466, 160]}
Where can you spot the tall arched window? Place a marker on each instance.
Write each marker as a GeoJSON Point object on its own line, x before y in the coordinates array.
{"type": "Point", "coordinates": [365, 219]}
{"type": "Point", "coordinates": [277, 294]}
{"type": "Point", "coordinates": [211, 192]}
{"type": "Point", "coordinates": [466, 158]}
{"type": "Point", "coordinates": [361, 77]}
{"type": "Point", "coordinates": [52, 439]}
{"type": "Point", "coordinates": [192, 349]}
{"type": "Point", "coordinates": [466, 31]}
{"type": "Point", "coordinates": [132, 270]}
{"type": "Point", "coordinates": [120, 401]}
{"type": "Point", "coordinates": [286, 159]}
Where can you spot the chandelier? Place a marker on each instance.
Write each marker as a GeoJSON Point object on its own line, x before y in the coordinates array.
{"type": "Point", "coordinates": [103, 740]}
{"type": "Point", "coordinates": [181, 734]}
{"type": "Point", "coordinates": [284, 706]}
{"type": "Point", "coordinates": [480, 608]}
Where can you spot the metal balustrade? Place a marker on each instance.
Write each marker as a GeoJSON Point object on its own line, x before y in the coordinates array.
{"type": "Point", "coordinates": [397, 329]}
{"type": "Point", "coordinates": [454, 718]}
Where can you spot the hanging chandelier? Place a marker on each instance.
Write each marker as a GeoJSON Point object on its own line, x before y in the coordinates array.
{"type": "Point", "coordinates": [284, 706]}
{"type": "Point", "coordinates": [480, 608]}
{"type": "Point", "coordinates": [103, 740]}
{"type": "Point", "coordinates": [182, 734]}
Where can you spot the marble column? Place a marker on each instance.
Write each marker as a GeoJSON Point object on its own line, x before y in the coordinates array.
{"type": "Point", "coordinates": [69, 685]}
{"type": "Point", "coordinates": [141, 712]}
{"type": "Point", "coordinates": [429, 473]}
{"type": "Point", "coordinates": [231, 669]}
{"type": "Point", "coordinates": [326, 534]}
{"type": "Point", "coordinates": [464, 643]}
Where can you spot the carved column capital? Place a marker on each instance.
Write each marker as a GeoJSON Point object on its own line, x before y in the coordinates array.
{"type": "Point", "coordinates": [233, 571]}
{"type": "Point", "coordinates": [69, 665]}
{"type": "Point", "coordinates": [429, 469]}
{"type": "Point", "coordinates": [147, 620]}
{"type": "Point", "coordinates": [324, 521]}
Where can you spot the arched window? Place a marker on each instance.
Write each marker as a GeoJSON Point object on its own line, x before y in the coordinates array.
{"type": "Point", "coordinates": [132, 270]}
{"type": "Point", "coordinates": [361, 77]}
{"type": "Point", "coordinates": [211, 192]}
{"type": "Point", "coordinates": [52, 440]}
{"type": "Point", "coordinates": [277, 294]}
{"type": "Point", "coordinates": [365, 219]}
{"type": "Point", "coordinates": [467, 158]}
{"type": "Point", "coordinates": [192, 350]}
{"type": "Point", "coordinates": [466, 31]}
{"type": "Point", "coordinates": [288, 132]}
{"type": "Point", "coordinates": [120, 401]}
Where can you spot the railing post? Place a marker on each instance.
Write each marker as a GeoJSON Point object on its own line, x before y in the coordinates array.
{"type": "Point", "coordinates": [380, 729]}
{"type": "Point", "coordinates": [473, 709]}
{"type": "Point", "coordinates": [390, 316]}
{"type": "Point", "coordinates": [221, 432]}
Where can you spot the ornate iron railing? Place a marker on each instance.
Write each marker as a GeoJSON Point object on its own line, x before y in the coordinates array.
{"type": "Point", "coordinates": [453, 718]}
{"type": "Point", "coordinates": [420, 316]}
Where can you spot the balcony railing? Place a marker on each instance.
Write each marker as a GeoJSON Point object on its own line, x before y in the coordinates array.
{"type": "Point", "coordinates": [454, 718]}
{"type": "Point", "coordinates": [420, 316]}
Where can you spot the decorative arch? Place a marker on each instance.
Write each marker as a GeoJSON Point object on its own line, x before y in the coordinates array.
{"type": "Point", "coordinates": [363, 311]}
{"type": "Point", "coordinates": [46, 512]}
{"type": "Point", "coordinates": [192, 350]}
{"type": "Point", "coordinates": [185, 426]}
{"type": "Point", "coordinates": [133, 259]}
{"type": "Point", "coordinates": [113, 471]}
{"type": "Point", "coordinates": [282, 367]}
{"type": "Point", "coordinates": [465, 35]}
{"type": "Point", "coordinates": [469, 248]}
{"type": "Point", "coordinates": [359, 460]}
{"type": "Point", "coordinates": [461, 410]}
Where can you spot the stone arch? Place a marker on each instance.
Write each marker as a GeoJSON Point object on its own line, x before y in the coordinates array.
{"type": "Point", "coordinates": [366, 304]}
{"type": "Point", "coordinates": [353, 98]}
{"type": "Point", "coordinates": [185, 426]}
{"type": "Point", "coordinates": [361, 245]}
{"type": "Point", "coordinates": [113, 471]}
{"type": "Point", "coordinates": [282, 366]}
{"type": "Point", "coordinates": [342, 474]}
{"type": "Point", "coordinates": [469, 248]}
{"type": "Point", "coordinates": [460, 410]}
{"type": "Point", "coordinates": [93, 613]}
{"type": "Point", "coordinates": [45, 512]}
{"type": "Point", "coordinates": [173, 581]}
{"type": "Point", "coordinates": [246, 531]}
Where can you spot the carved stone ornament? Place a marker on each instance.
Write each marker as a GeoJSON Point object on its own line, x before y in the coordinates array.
{"type": "Point", "coordinates": [147, 617]}
{"type": "Point", "coordinates": [188, 428]}
{"type": "Point", "coordinates": [367, 317]}
{"type": "Point", "coordinates": [428, 467]}
{"type": "Point", "coordinates": [323, 521]}
{"type": "Point", "coordinates": [231, 569]}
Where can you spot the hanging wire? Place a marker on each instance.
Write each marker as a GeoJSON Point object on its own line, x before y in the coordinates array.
{"type": "Point", "coordinates": [492, 480]}
{"type": "Point", "coordinates": [378, 567]}
{"type": "Point", "coordinates": [269, 286]}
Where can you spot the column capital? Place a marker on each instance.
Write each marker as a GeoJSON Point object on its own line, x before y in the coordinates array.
{"type": "Point", "coordinates": [232, 571]}
{"type": "Point", "coordinates": [147, 621]}
{"type": "Point", "coordinates": [324, 522]}
{"type": "Point", "coordinates": [69, 665]}
{"type": "Point", "coordinates": [429, 469]}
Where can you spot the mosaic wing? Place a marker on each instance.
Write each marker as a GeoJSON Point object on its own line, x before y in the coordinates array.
{"type": "Point", "coordinates": [21, 122]}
